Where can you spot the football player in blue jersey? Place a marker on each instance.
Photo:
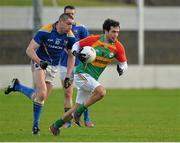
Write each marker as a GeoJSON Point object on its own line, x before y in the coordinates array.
{"type": "Point", "coordinates": [45, 51]}
{"type": "Point", "coordinates": [80, 32]}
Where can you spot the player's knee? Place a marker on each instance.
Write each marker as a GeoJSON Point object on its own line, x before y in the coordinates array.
{"type": "Point", "coordinates": [40, 97]}
{"type": "Point", "coordinates": [101, 91]}
{"type": "Point", "coordinates": [42, 94]}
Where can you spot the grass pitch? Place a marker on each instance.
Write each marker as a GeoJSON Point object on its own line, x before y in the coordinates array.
{"type": "Point", "coordinates": [123, 115]}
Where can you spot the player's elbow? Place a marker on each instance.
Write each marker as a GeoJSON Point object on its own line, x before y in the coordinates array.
{"type": "Point", "coordinates": [29, 51]}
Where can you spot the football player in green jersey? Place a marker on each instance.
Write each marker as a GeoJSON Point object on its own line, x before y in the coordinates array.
{"type": "Point", "coordinates": [89, 90]}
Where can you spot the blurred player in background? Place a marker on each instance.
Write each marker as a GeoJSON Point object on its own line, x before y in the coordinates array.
{"type": "Point", "coordinates": [45, 51]}
{"type": "Point", "coordinates": [80, 32]}
{"type": "Point", "coordinates": [89, 90]}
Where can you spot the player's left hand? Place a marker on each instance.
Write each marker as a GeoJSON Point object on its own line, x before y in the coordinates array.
{"type": "Point", "coordinates": [67, 82]}
{"type": "Point", "coordinates": [120, 71]}
{"type": "Point", "coordinates": [44, 64]}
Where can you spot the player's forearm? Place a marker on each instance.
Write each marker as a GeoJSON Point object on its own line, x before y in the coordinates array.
{"type": "Point", "coordinates": [70, 64]}
{"type": "Point", "coordinates": [71, 58]}
{"type": "Point", "coordinates": [33, 55]}
{"type": "Point", "coordinates": [30, 51]}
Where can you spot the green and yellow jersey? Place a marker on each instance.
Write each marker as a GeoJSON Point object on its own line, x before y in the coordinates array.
{"type": "Point", "coordinates": [104, 55]}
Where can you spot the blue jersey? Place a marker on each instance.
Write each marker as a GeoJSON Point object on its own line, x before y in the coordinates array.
{"type": "Point", "coordinates": [52, 44]}
{"type": "Point", "coordinates": [80, 32]}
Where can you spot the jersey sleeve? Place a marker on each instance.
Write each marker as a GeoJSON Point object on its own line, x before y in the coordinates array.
{"type": "Point", "coordinates": [71, 41]}
{"type": "Point", "coordinates": [89, 41]}
{"type": "Point", "coordinates": [121, 55]}
{"type": "Point", "coordinates": [84, 33]}
{"type": "Point", "coordinates": [39, 37]}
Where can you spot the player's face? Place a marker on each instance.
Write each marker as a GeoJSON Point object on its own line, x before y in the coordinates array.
{"type": "Point", "coordinates": [65, 26]}
{"type": "Point", "coordinates": [112, 34]}
{"type": "Point", "coordinates": [71, 12]}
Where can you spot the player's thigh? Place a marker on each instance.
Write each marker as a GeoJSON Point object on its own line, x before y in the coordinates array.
{"type": "Point", "coordinates": [49, 87]}
{"type": "Point", "coordinates": [68, 91]}
{"type": "Point", "coordinates": [50, 74]}
{"type": "Point", "coordinates": [82, 95]}
{"type": "Point", "coordinates": [85, 82]}
{"type": "Point", "coordinates": [39, 80]}
{"type": "Point", "coordinates": [63, 72]}
{"type": "Point", "coordinates": [85, 86]}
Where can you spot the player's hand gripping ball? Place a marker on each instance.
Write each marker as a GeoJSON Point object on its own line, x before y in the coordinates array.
{"type": "Point", "coordinates": [87, 54]}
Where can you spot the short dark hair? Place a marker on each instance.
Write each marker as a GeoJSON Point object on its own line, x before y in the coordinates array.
{"type": "Point", "coordinates": [110, 22]}
{"type": "Point", "coordinates": [65, 16]}
{"type": "Point", "coordinates": [69, 7]}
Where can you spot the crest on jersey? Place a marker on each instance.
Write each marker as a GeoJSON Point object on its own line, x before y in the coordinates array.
{"type": "Point", "coordinates": [58, 41]}
{"type": "Point", "coordinates": [65, 42]}
{"type": "Point", "coordinates": [111, 54]}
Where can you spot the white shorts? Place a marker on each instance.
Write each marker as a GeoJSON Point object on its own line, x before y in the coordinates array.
{"type": "Point", "coordinates": [63, 71]}
{"type": "Point", "coordinates": [85, 84]}
{"type": "Point", "coordinates": [50, 71]}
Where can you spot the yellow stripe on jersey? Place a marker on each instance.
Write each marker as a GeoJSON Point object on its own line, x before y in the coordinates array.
{"type": "Point", "coordinates": [97, 64]}
{"type": "Point", "coordinates": [47, 28]}
{"type": "Point", "coordinates": [103, 59]}
{"type": "Point", "coordinates": [70, 34]}
{"type": "Point", "coordinates": [101, 62]}
{"type": "Point", "coordinates": [99, 43]}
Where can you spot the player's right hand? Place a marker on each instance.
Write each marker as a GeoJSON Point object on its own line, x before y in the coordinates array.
{"type": "Point", "coordinates": [67, 82]}
{"type": "Point", "coordinates": [44, 64]}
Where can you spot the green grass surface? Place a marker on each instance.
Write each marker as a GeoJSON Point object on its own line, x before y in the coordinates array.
{"type": "Point", "coordinates": [123, 115]}
{"type": "Point", "coordinates": [62, 3]}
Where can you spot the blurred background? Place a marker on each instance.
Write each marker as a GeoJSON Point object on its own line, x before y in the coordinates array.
{"type": "Point", "coordinates": [150, 33]}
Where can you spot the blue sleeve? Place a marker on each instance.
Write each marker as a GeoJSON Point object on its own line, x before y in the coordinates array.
{"type": "Point", "coordinates": [71, 41]}
{"type": "Point", "coordinates": [39, 37]}
{"type": "Point", "coordinates": [84, 33]}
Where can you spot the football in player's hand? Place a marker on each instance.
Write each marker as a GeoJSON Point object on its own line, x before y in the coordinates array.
{"type": "Point", "coordinates": [87, 54]}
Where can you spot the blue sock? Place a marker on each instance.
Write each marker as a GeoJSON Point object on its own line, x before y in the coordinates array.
{"type": "Point", "coordinates": [37, 108]}
{"type": "Point", "coordinates": [27, 91]}
{"type": "Point", "coordinates": [86, 115]}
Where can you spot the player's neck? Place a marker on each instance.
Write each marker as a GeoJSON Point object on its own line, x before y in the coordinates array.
{"type": "Point", "coordinates": [59, 30]}
{"type": "Point", "coordinates": [107, 40]}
